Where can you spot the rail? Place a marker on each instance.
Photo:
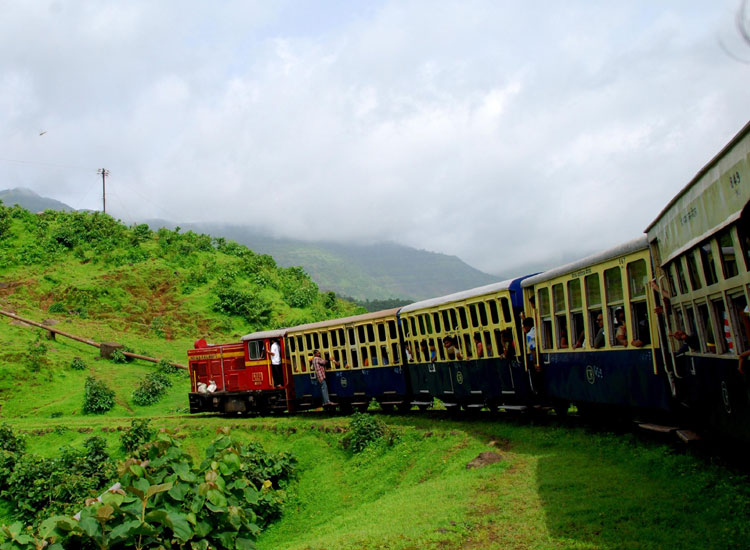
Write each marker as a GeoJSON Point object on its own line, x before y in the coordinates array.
{"type": "Point", "coordinates": [84, 340]}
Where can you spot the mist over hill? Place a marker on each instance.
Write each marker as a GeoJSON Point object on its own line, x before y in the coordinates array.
{"type": "Point", "coordinates": [364, 272]}
{"type": "Point", "coordinates": [28, 199]}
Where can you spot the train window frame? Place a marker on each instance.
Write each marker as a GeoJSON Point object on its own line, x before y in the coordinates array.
{"type": "Point", "coordinates": [576, 321]}
{"type": "Point", "coordinates": [494, 313]}
{"type": "Point", "coordinates": [257, 346]}
{"type": "Point", "coordinates": [560, 310]}
{"type": "Point", "coordinates": [454, 318]}
{"type": "Point", "coordinates": [594, 308]}
{"type": "Point", "coordinates": [694, 274]}
{"type": "Point", "coordinates": [720, 311]}
{"type": "Point", "coordinates": [615, 301]}
{"type": "Point", "coordinates": [739, 320]}
{"type": "Point", "coordinates": [445, 318]}
{"type": "Point", "coordinates": [463, 317]}
{"type": "Point", "coordinates": [727, 260]}
{"type": "Point", "coordinates": [545, 314]}
{"type": "Point", "coordinates": [382, 332]}
{"type": "Point", "coordinates": [708, 263]}
{"type": "Point", "coordinates": [437, 322]}
{"type": "Point", "coordinates": [706, 327]}
{"type": "Point", "coordinates": [505, 306]}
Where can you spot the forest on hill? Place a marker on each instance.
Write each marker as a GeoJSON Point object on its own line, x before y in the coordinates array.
{"type": "Point", "coordinates": [164, 282]}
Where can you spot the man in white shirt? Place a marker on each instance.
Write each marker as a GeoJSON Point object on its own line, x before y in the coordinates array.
{"type": "Point", "coordinates": [278, 373]}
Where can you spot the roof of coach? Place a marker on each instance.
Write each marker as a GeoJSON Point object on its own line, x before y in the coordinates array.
{"type": "Point", "coordinates": [734, 141]}
{"type": "Point", "coordinates": [510, 284]}
{"type": "Point", "coordinates": [375, 315]}
{"type": "Point", "coordinates": [263, 334]}
{"type": "Point", "coordinates": [634, 245]}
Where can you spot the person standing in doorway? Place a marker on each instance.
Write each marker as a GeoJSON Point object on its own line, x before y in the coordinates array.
{"type": "Point", "coordinates": [319, 364]}
{"type": "Point", "coordinates": [276, 370]}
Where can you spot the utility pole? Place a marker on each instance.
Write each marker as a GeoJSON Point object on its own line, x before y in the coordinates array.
{"type": "Point", "coordinates": [104, 173]}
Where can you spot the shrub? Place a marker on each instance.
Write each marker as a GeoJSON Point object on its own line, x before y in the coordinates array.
{"type": "Point", "coordinates": [37, 352]}
{"type": "Point", "coordinates": [77, 364]}
{"type": "Point", "coordinates": [40, 486]}
{"type": "Point", "coordinates": [365, 430]}
{"type": "Point", "coordinates": [151, 389]}
{"type": "Point", "coordinates": [118, 357]}
{"type": "Point", "coordinates": [140, 432]}
{"type": "Point", "coordinates": [165, 367]}
{"type": "Point", "coordinates": [57, 307]}
{"type": "Point", "coordinates": [166, 502]}
{"type": "Point", "coordinates": [12, 448]}
{"type": "Point", "coordinates": [97, 397]}
{"type": "Point", "coordinates": [248, 305]}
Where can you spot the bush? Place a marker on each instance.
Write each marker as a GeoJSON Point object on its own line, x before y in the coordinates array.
{"type": "Point", "coordinates": [37, 352]}
{"type": "Point", "coordinates": [151, 389]}
{"type": "Point", "coordinates": [40, 486]}
{"type": "Point", "coordinates": [118, 357]}
{"type": "Point", "coordinates": [165, 367]}
{"type": "Point", "coordinates": [57, 307]}
{"type": "Point", "coordinates": [77, 364]}
{"type": "Point", "coordinates": [166, 502]}
{"type": "Point", "coordinates": [365, 430]}
{"type": "Point", "coordinates": [248, 305]}
{"type": "Point", "coordinates": [12, 448]}
{"type": "Point", "coordinates": [140, 432]}
{"type": "Point", "coordinates": [97, 397]}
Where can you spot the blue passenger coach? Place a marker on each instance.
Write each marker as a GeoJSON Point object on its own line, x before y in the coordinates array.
{"type": "Point", "coordinates": [465, 349]}
{"type": "Point", "coordinates": [597, 340]}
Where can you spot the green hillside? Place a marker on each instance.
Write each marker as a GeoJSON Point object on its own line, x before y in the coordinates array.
{"type": "Point", "coordinates": [156, 292]}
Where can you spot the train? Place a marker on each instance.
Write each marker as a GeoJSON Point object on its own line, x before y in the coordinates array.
{"type": "Point", "coordinates": [656, 327]}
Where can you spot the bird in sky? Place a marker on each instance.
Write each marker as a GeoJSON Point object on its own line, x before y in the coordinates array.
{"type": "Point", "coordinates": [42, 132]}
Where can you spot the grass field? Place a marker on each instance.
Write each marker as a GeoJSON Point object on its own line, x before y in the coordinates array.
{"type": "Point", "coordinates": [557, 486]}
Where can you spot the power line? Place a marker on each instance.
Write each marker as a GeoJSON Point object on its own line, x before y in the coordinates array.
{"type": "Point", "coordinates": [34, 162]}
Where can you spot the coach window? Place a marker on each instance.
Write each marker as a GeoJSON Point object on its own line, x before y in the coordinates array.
{"type": "Point", "coordinates": [724, 336]}
{"type": "Point", "coordinates": [695, 278]}
{"type": "Point", "coordinates": [637, 281]}
{"type": "Point", "coordinates": [255, 350]}
{"type": "Point", "coordinates": [681, 276]}
{"type": "Point", "coordinates": [494, 314]}
{"type": "Point", "coordinates": [575, 299]}
{"type": "Point", "coordinates": [436, 321]}
{"type": "Point", "coordinates": [446, 321]}
{"type": "Point", "coordinates": [468, 346]}
{"type": "Point", "coordinates": [413, 323]}
{"type": "Point", "coordinates": [489, 349]}
{"type": "Point", "coordinates": [392, 330]}
{"type": "Point", "coordinates": [292, 346]}
{"type": "Point", "coordinates": [613, 288]}
{"type": "Point", "coordinates": [546, 314]}
{"type": "Point", "coordinates": [394, 353]}
{"type": "Point", "coordinates": [316, 340]}
{"type": "Point", "coordinates": [706, 329]}
{"type": "Point", "coordinates": [482, 314]}
{"type": "Point", "coordinates": [692, 326]}
{"type": "Point", "coordinates": [462, 316]}
{"type": "Point", "coordinates": [561, 323]}
{"type": "Point", "coordinates": [594, 302]}
{"type": "Point", "coordinates": [670, 276]}
{"type": "Point", "coordinates": [473, 315]}
{"type": "Point", "coordinates": [728, 258]}
{"type": "Point", "coordinates": [324, 340]}
{"type": "Point", "coordinates": [308, 341]}
{"type": "Point", "coordinates": [506, 310]}
{"type": "Point", "coordinates": [352, 337]}
{"type": "Point", "coordinates": [370, 332]}
{"type": "Point", "coordinates": [743, 232]}
{"type": "Point", "coordinates": [454, 319]}
{"type": "Point", "coordinates": [334, 338]}
{"type": "Point", "coordinates": [740, 320]}
{"type": "Point", "coordinates": [381, 332]}
{"type": "Point", "coordinates": [707, 259]}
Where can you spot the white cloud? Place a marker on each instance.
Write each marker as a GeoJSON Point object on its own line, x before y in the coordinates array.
{"type": "Point", "coordinates": [492, 130]}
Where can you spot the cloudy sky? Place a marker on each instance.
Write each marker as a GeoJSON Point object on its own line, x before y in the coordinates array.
{"type": "Point", "coordinates": [497, 131]}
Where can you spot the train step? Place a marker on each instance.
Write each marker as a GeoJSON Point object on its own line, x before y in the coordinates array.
{"type": "Point", "coordinates": [474, 405]}
{"type": "Point", "coordinates": [509, 392]}
{"type": "Point", "coordinates": [418, 403]}
{"type": "Point", "coordinates": [514, 407]}
{"type": "Point", "coordinates": [657, 428]}
{"type": "Point", "coordinates": [688, 436]}
{"type": "Point", "coordinates": [392, 402]}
